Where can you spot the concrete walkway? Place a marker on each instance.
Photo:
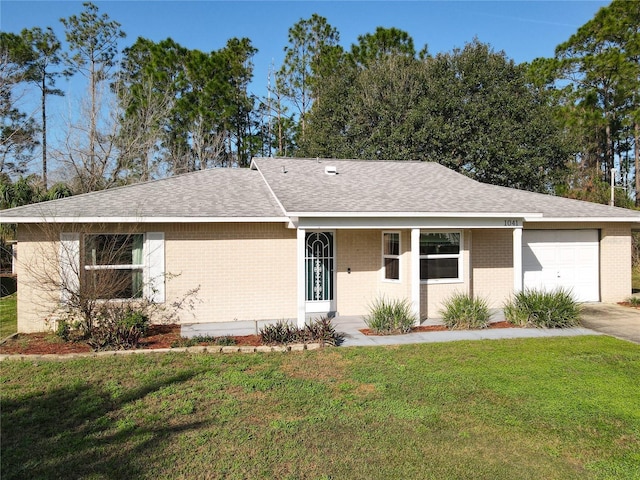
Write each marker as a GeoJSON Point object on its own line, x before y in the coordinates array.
{"type": "Point", "coordinates": [598, 318]}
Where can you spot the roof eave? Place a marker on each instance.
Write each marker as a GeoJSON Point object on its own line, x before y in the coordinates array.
{"type": "Point", "coordinates": [50, 219]}
{"type": "Point", "coordinates": [538, 219]}
{"type": "Point", "coordinates": [414, 214]}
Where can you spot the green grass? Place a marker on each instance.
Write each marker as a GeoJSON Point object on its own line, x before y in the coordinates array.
{"type": "Point", "coordinates": [559, 408]}
{"type": "Point", "coordinates": [8, 315]}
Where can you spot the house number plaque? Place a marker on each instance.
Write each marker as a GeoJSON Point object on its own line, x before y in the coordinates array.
{"type": "Point", "coordinates": [512, 223]}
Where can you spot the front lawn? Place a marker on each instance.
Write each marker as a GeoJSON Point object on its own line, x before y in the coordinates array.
{"type": "Point", "coordinates": [498, 409]}
{"type": "Point", "coordinates": [8, 315]}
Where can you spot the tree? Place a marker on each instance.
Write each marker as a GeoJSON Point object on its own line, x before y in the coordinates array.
{"type": "Point", "coordinates": [311, 55]}
{"type": "Point", "coordinates": [443, 109]}
{"type": "Point", "coordinates": [384, 42]}
{"type": "Point", "coordinates": [18, 131]}
{"type": "Point", "coordinates": [43, 55]}
{"type": "Point", "coordinates": [191, 107]}
{"type": "Point", "coordinates": [601, 62]}
{"type": "Point", "coordinates": [93, 44]}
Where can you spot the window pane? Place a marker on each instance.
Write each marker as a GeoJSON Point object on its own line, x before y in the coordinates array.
{"type": "Point", "coordinates": [116, 283]}
{"type": "Point", "coordinates": [439, 243]}
{"type": "Point", "coordinates": [392, 244]}
{"type": "Point", "coordinates": [113, 249]}
{"type": "Point", "coordinates": [437, 268]}
{"type": "Point", "coordinates": [392, 269]}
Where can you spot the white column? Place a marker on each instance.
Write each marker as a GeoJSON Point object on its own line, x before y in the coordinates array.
{"type": "Point", "coordinates": [301, 317]}
{"type": "Point", "coordinates": [415, 272]}
{"type": "Point", "coordinates": [517, 260]}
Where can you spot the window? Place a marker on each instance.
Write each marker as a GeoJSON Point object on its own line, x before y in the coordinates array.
{"type": "Point", "coordinates": [114, 265]}
{"type": "Point", "coordinates": [391, 255]}
{"type": "Point", "coordinates": [440, 257]}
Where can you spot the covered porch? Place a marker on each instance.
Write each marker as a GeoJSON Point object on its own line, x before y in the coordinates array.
{"type": "Point", "coordinates": [363, 259]}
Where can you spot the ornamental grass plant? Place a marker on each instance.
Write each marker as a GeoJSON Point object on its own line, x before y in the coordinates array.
{"type": "Point", "coordinates": [464, 311]}
{"type": "Point", "coordinates": [390, 316]}
{"type": "Point", "coordinates": [538, 308]}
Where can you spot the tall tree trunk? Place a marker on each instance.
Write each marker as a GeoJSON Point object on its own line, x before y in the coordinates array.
{"type": "Point", "coordinates": [637, 161]}
{"type": "Point", "coordinates": [44, 132]}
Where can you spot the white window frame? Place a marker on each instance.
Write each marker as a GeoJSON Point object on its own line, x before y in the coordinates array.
{"type": "Point", "coordinates": [459, 256]}
{"type": "Point", "coordinates": [397, 257]}
{"type": "Point", "coordinates": [141, 267]}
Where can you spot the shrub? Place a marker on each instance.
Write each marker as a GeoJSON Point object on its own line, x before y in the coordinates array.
{"type": "Point", "coordinates": [462, 310]}
{"type": "Point", "coordinates": [225, 341]}
{"type": "Point", "coordinates": [389, 317]}
{"type": "Point", "coordinates": [117, 328]}
{"type": "Point", "coordinates": [282, 332]}
{"type": "Point", "coordinates": [556, 309]}
{"type": "Point", "coordinates": [279, 332]}
{"type": "Point", "coordinates": [634, 301]}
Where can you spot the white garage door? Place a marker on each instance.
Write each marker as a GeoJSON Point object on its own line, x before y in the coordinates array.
{"type": "Point", "coordinates": [562, 258]}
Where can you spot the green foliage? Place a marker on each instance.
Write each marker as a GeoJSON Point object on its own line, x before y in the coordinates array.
{"type": "Point", "coordinates": [597, 76]}
{"type": "Point", "coordinates": [463, 311]}
{"type": "Point", "coordinates": [390, 316]}
{"type": "Point", "coordinates": [117, 328]}
{"type": "Point", "coordinates": [281, 333]}
{"type": "Point", "coordinates": [442, 109]}
{"type": "Point", "coordinates": [383, 43]}
{"type": "Point", "coordinates": [634, 301]}
{"type": "Point", "coordinates": [542, 309]}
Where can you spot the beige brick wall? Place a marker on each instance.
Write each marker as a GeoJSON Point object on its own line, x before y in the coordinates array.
{"type": "Point", "coordinates": [615, 263]}
{"type": "Point", "coordinates": [38, 278]}
{"type": "Point", "coordinates": [361, 251]}
{"type": "Point", "coordinates": [492, 265]}
{"type": "Point", "coordinates": [243, 271]}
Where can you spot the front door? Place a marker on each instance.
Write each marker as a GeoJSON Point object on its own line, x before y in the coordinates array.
{"type": "Point", "coordinates": [319, 272]}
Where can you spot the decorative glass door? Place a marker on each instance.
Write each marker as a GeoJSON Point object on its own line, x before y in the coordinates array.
{"type": "Point", "coordinates": [319, 261]}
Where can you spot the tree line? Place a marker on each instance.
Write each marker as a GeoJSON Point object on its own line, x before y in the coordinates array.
{"type": "Point", "coordinates": [557, 125]}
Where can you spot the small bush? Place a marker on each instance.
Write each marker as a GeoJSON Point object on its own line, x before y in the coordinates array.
{"type": "Point", "coordinates": [634, 301]}
{"type": "Point", "coordinates": [282, 332]}
{"type": "Point", "coordinates": [64, 330]}
{"type": "Point", "coordinates": [463, 311]}
{"type": "Point", "coordinates": [279, 333]}
{"type": "Point", "coordinates": [389, 317]}
{"type": "Point", "coordinates": [225, 341]}
{"type": "Point", "coordinates": [538, 308]}
{"type": "Point", "coordinates": [117, 328]}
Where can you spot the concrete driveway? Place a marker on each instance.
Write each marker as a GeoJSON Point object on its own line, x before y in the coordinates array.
{"type": "Point", "coordinates": [611, 319]}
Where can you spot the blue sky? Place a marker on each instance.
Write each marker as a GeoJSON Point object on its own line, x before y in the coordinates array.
{"type": "Point", "coordinates": [524, 30]}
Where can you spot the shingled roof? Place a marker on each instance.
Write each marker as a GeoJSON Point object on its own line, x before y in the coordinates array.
{"type": "Point", "coordinates": [227, 193]}
{"type": "Point", "coordinates": [303, 187]}
{"type": "Point", "coordinates": [276, 189]}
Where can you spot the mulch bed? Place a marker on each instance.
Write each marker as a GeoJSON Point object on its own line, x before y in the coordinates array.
{"type": "Point", "coordinates": [159, 336]}
{"type": "Point", "coordinates": [627, 304]}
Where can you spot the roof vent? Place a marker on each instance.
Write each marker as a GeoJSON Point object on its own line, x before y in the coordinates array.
{"type": "Point", "coordinates": [330, 170]}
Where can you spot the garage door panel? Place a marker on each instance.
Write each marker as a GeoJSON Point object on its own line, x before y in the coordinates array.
{"type": "Point", "coordinates": [562, 258]}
